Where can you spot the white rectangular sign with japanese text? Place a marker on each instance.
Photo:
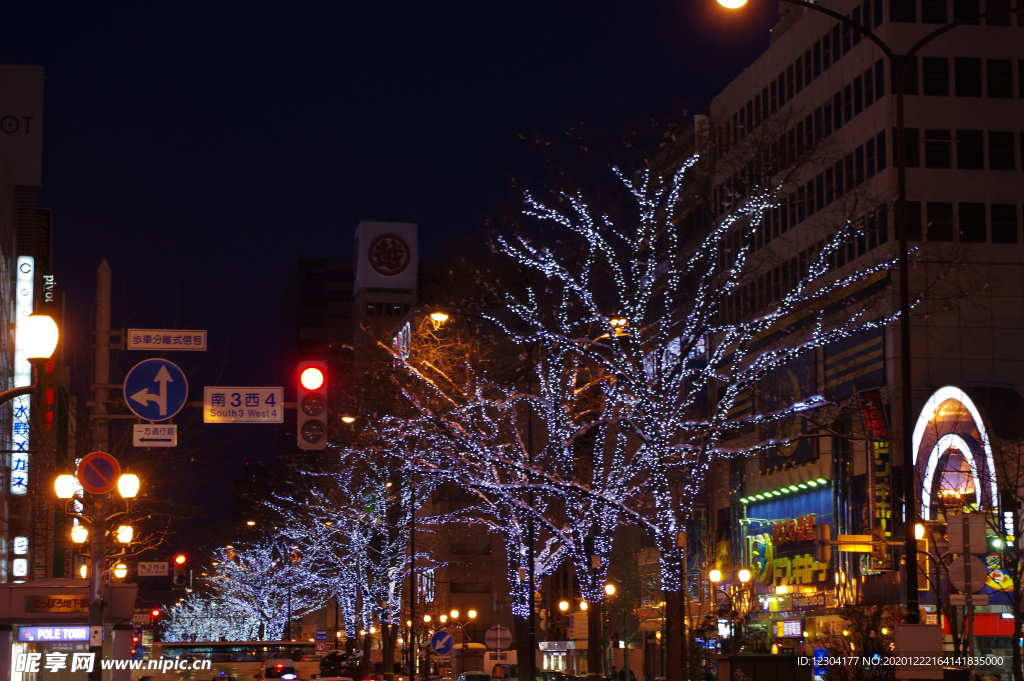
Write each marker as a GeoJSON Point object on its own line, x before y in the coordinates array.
{"type": "Point", "coordinates": [226, 404]}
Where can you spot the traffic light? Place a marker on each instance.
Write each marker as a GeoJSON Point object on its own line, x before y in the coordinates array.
{"type": "Point", "coordinates": [311, 428]}
{"type": "Point", "coordinates": [179, 569]}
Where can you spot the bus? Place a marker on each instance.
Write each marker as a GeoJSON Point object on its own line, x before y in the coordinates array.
{"type": "Point", "coordinates": [233, 661]}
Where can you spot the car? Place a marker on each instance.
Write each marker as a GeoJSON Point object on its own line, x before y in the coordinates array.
{"type": "Point", "coordinates": [474, 676]}
{"type": "Point", "coordinates": [281, 668]}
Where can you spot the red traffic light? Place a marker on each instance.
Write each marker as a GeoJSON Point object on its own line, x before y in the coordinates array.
{"type": "Point", "coordinates": [311, 378]}
{"type": "Point", "coordinates": [155, 613]}
{"type": "Point", "coordinates": [179, 559]}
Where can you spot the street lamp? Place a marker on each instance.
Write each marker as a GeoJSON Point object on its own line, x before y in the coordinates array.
{"type": "Point", "coordinates": [609, 589]}
{"type": "Point", "coordinates": [898, 65]}
{"type": "Point", "coordinates": [120, 570]}
{"type": "Point", "coordinates": [471, 615]}
{"type": "Point", "coordinates": [38, 335]}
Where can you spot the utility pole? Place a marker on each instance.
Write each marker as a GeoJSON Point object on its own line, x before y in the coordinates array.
{"type": "Point", "coordinates": [101, 436]}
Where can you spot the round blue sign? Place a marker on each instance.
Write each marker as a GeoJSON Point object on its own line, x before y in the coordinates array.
{"type": "Point", "coordinates": [155, 389]}
{"type": "Point", "coordinates": [442, 642]}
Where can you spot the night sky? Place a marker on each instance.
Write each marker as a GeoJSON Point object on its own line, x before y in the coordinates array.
{"type": "Point", "coordinates": [202, 148]}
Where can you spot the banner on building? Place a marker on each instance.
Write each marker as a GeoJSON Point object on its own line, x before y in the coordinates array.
{"type": "Point", "coordinates": [876, 427]}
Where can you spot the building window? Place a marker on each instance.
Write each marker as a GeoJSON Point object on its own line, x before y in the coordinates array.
{"type": "Point", "coordinates": [913, 221]}
{"type": "Point", "coordinates": [817, 59]}
{"type": "Point", "coordinates": [963, 9]}
{"type": "Point", "coordinates": [1004, 223]}
{"type": "Point", "coordinates": [933, 11]}
{"type": "Point", "coordinates": [968, 76]}
{"type": "Point", "coordinates": [911, 147]}
{"type": "Point", "coordinates": [940, 221]}
{"type": "Point", "coordinates": [880, 139]}
{"type": "Point", "coordinates": [972, 223]}
{"type": "Point", "coordinates": [937, 149]}
{"type": "Point", "coordinates": [935, 76]}
{"type": "Point", "coordinates": [1000, 78]}
{"type": "Point", "coordinates": [826, 50]}
{"type": "Point", "coordinates": [970, 153]}
{"type": "Point", "coordinates": [1001, 154]}
{"type": "Point", "coordinates": [903, 10]}
{"type": "Point", "coordinates": [996, 6]}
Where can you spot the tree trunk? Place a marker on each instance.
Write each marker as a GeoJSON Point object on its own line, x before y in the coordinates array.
{"type": "Point", "coordinates": [522, 642]}
{"type": "Point", "coordinates": [387, 639]}
{"type": "Point", "coordinates": [595, 640]}
{"type": "Point", "coordinates": [365, 667]}
{"type": "Point", "coordinates": [672, 636]}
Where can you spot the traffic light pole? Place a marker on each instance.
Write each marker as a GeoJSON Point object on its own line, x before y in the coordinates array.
{"type": "Point", "coordinates": [97, 565]}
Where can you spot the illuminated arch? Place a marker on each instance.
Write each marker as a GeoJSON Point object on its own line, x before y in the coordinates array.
{"type": "Point", "coordinates": [948, 440]}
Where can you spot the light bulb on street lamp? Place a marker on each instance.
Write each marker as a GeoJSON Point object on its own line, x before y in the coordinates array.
{"type": "Point", "coordinates": [38, 334]}
{"type": "Point", "coordinates": [744, 575]}
{"type": "Point", "coordinates": [250, 523]}
{"type": "Point", "coordinates": [128, 485]}
{"type": "Point", "coordinates": [79, 534]}
{"type": "Point", "coordinates": [472, 614]}
{"type": "Point", "coordinates": [125, 533]}
{"type": "Point", "coordinates": [918, 529]}
{"type": "Point", "coordinates": [583, 606]}
{"type": "Point", "coordinates": [439, 317]}
{"type": "Point", "coordinates": [408, 623]}
{"type": "Point", "coordinates": [373, 629]}
{"type": "Point", "coordinates": [426, 619]}
{"type": "Point", "coordinates": [563, 605]}
{"type": "Point", "coordinates": [732, 4]}
{"type": "Point", "coordinates": [65, 486]}
{"type": "Point", "coordinates": [443, 618]}
{"type": "Point", "coordinates": [348, 419]}
{"type": "Point", "coordinates": [715, 576]}
{"type": "Point", "coordinates": [84, 571]}
{"type": "Point", "coordinates": [455, 614]}
{"type": "Point", "coordinates": [609, 589]}
{"type": "Point", "coordinates": [120, 570]}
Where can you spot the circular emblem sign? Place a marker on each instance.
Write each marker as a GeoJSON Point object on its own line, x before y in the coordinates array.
{"type": "Point", "coordinates": [98, 472]}
{"type": "Point", "coordinates": [389, 254]}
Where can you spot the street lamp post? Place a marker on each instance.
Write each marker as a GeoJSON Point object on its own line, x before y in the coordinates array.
{"type": "Point", "coordinates": [898, 67]}
{"type": "Point", "coordinates": [743, 575]}
{"type": "Point", "coordinates": [465, 638]}
{"type": "Point", "coordinates": [65, 487]}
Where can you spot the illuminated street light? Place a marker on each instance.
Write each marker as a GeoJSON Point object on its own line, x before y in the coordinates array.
{"type": "Point", "coordinates": [443, 618]}
{"type": "Point", "coordinates": [120, 570]}
{"type": "Point", "coordinates": [65, 486]}
{"type": "Point", "coordinates": [919, 531]}
{"type": "Point", "coordinates": [250, 523]}
{"type": "Point", "coordinates": [715, 576]}
{"type": "Point", "coordinates": [744, 575]}
{"type": "Point", "coordinates": [84, 571]}
{"type": "Point", "coordinates": [348, 419]}
{"type": "Point", "coordinates": [426, 619]}
{"type": "Point", "coordinates": [125, 534]}
{"type": "Point", "coordinates": [439, 317]}
{"type": "Point", "coordinates": [583, 606]}
{"type": "Point", "coordinates": [455, 614]}
{"type": "Point", "coordinates": [472, 614]}
{"type": "Point", "coordinates": [732, 4]}
{"type": "Point", "coordinates": [609, 589]}
{"type": "Point", "coordinates": [79, 534]}
{"type": "Point", "coordinates": [128, 485]}
{"type": "Point", "coordinates": [563, 605]}
{"type": "Point", "coordinates": [38, 334]}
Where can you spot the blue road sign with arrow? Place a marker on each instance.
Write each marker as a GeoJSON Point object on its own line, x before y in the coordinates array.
{"type": "Point", "coordinates": [442, 642]}
{"type": "Point", "coordinates": [155, 389]}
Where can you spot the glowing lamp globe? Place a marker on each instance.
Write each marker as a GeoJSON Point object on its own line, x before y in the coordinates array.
{"type": "Point", "coordinates": [84, 571]}
{"type": "Point", "coordinates": [744, 575]}
{"type": "Point", "coordinates": [563, 605]}
{"type": "Point", "coordinates": [715, 575]}
{"type": "Point", "coordinates": [125, 534]}
{"type": "Point", "coordinates": [311, 378]}
{"type": "Point", "coordinates": [128, 485]}
{"type": "Point", "coordinates": [455, 614]}
{"type": "Point", "coordinates": [919, 531]}
{"type": "Point", "coordinates": [426, 619]}
{"type": "Point", "coordinates": [439, 317]}
{"type": "Point", "coordinates": [732, 4]}
{"type": "Point", "coordinates": [38, 334]}
{"type": "Point", "coordinates": [472, 614]}
{"type": "Point", "coordinates": [79, 534]}
{"type": "Point", "coordinates": [609, 589]}
{"type": "Point", "coordinates": [444, 618]}
{"type": "Point", "coordinates": [583, 606]}
{"type": "Point", "coordinates": [65, 486]}
{"type": "Point", "coordinates": [120, 570]}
